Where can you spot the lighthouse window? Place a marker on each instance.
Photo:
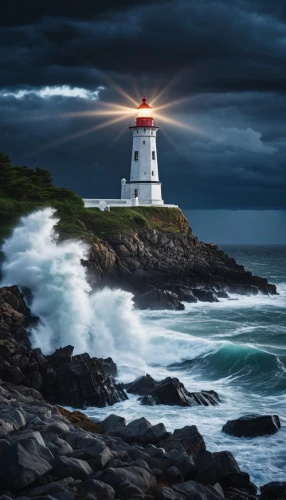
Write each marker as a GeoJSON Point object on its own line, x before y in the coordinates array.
{"type": "Point", "coordinates": [153, 155]}
{"type": "Point", "coordinates": [152, 132]}
{"type": "Point", "coordinates": [152, 172]}
{"type": "Point", "coordinates": [136, 154]}
{"type": "Point", "coordinates": [143, 142]}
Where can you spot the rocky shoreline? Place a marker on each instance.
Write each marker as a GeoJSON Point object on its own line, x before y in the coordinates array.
{"type": "Point", "coordinates": [48, 452]}
{"type": "Point", "coordinates": [164, 269]}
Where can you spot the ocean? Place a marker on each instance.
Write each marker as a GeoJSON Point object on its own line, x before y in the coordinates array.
{"type": "Point", "coordinates": [236, 347]}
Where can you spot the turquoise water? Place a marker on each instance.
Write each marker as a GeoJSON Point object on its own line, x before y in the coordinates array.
{"type": "Point", "coordinates": [236, 347]}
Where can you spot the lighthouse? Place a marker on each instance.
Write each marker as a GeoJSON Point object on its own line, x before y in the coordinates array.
{"type": "Point", "coordinates": [144, 185]}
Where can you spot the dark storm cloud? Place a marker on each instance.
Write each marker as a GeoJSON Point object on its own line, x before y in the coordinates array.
{"type": "Point", "coordinates": [228, 59]}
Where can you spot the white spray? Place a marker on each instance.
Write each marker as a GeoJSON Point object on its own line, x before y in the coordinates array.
{"type": "Point", "coordinates": [100, 323]}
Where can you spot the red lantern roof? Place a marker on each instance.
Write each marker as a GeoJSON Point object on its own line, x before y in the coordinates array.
{"type": "Point", "coordinates": [144, 104]}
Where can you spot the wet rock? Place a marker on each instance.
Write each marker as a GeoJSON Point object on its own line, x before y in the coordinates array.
{"type": "Point", "coordinates": [240, 481]}
{"type": "Point", "coordinates": [4, 444]}
{"type": "Point", "coordinates": [13, 417]}
{"type": "Point", "coordinates": [183, 462]}
{"type": "Point", "coordinates": [135, 476]}
{"type": "Point", "coordinates": [101, 490]}
{"type": "Point", "coordinates": [188, 490]}
{"type": "Point", "coordinates": [142, 385]}
{"type": "Point", "coordinates": [53, 488]}
{"type": "Point", "coordinates": [61, 356]}
{"type": "Point", "coordinates": [174, 475]}
{"type": "Point", "coordinates": [109, 366]}
{"type": "Point", "coordinates": [66, 467]}
{"type": "Point", "coordinates": [172, 392]}
{"type": "Point", "coordinates": [149, 401]}
{"type": "Point", "coordinates": [157, 299]}
{"type": "Point", "coordinates": [242, 289]}
{"type": "Point", "coordinates": [273, 491]}
{"type": "Point", "coordinates": [24, 463]}
{"type": "Point", "coordinates": [204, 295]}
{"type": "Point", "coordinates": [112, 421]}
{"type": "Point", "coordinates": [215, 466]}
{"type": "Point", "coordinates": [253, 426]}
{"type": "Point", "coordinates": [186, 295]}
{"type": "Point", "coordinates": [189, 438]}
{"type": "Point", "coordinates": [84, 383]}
{"type": "Point", "coordinates": [222, 295]}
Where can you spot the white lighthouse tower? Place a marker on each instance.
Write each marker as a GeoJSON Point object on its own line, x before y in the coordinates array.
{"type": "Point", "coordinates": [144, 185]}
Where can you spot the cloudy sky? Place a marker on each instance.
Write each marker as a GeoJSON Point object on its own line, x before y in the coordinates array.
{"type": "Point", "coordinates": [221, 63]}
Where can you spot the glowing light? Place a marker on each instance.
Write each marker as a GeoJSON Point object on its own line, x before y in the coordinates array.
{"type": "Point", "coordinates": [144, 113]}
{"type": "Point", "coordinates": [115, 112]}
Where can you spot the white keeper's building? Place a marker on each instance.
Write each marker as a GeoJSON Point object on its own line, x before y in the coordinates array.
{"type": "Point", "coordinates": [144, 186]}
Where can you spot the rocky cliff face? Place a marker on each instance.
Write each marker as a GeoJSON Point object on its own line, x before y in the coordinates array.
{"type": "Point", "coordinates": [173, 261]}
{"type": "Point", "coordinates": [61, 377]}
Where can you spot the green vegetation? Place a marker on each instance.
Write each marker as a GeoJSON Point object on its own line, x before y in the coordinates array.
{"type": "Point", "coordinates": [23, 190]}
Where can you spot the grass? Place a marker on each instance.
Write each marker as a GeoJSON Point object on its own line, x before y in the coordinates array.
{"type": "Point", "coordinates": [90, 223]}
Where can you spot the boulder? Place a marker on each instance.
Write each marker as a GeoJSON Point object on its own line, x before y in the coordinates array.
{"type": "Point", "coordinates": [187, 438]}
{"type": "Point", "coordinates": [215, 466]}
{"type": "Point", "coordinates": [149, 400]}
{"type": "Point", "coordinates": [101, 490]}
{"type": "Point", "coordinates": [97, 456]}
{"type": "Point", "coordinates": [123, 477]}
{"type": "Point", "coordinates": [84, 383]}
{"type": "Point", "coordinates": [139, 431]}
{"type": "Point", "coordinates": [142, 385]}
{"type": "Point", "coordinates": [183, 462]}
{"type": "Point", "coordinates": [71, 467]}
{"type": "Point", "coordinates": [188, 491]}
{"type": "Point", "coordinates": [112, 421]}
{"type": "Point", "coordinates": [273, 491]}
{"type": "Point", "coordinates": [174, 475]}
{"type": "Point", "coordinates": [26, 465]}
{"type": "Point", "coordinates": [157, 299]}
{"type": "Point", "coordinates": [172, 392]}
{"type": "Point", "coordinates": [4, 444]}
{"type": "Point", "coordinates": [13, 417]}
{"type": "Point", "coordinates": [240, 481]}
{"type": "Point", "coordinates": [53, 487]}
{"type": "Point", "coordinates": [198, 491]}
{"type": "Point", "coordinates": [252, 426]}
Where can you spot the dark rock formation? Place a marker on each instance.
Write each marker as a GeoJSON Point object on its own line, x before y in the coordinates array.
{"type": "Point", "coordinates": [149, 400]}
{"type": "Point", "coordinates": [45, 455]}
{"type": "Point", "coordinates": [141, 385]}
{"type": "Point", "coordinates": [149, 262]}
{"type": "Point", "coordinates": [252, 426]}
{"type": "Point", "coordinates": [170, 391]}
{"type": "Point", "coordinates": [61, 378]}
{"type": "Point", "coordinates": [158, 299]}
{"type": "Point", "coordinates": [273, 491]}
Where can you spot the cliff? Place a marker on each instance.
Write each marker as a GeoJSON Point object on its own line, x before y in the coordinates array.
{"type": "Point", "coordinates": [153, 249]}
